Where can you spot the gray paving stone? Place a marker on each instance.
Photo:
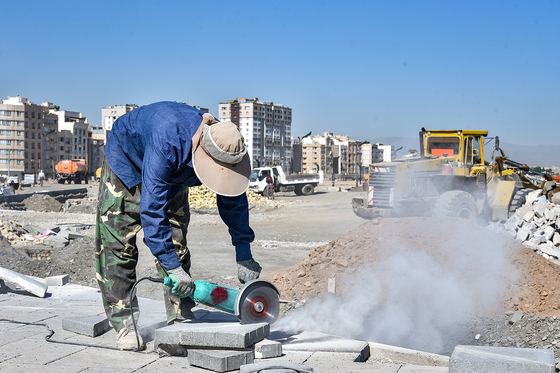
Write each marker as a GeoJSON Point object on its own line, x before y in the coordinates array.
{"type": "Point", "coordinates": [220, 360]}
{"type": "Point", "coordinates": [57, 280]}
{"type": "Point", "coordinates": [467, 359]}
{"type": "Point", "coordinates": [92, 325]}
{"type": "Point", "coordinates": [311, 341]}
{"type": "Point", "coordinates": [267, 349]}
{"type": "Point", "coordinates": [218, 335]}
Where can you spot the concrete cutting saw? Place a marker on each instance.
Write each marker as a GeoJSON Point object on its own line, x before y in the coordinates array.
{"type": "Point", "coordinates": [257, 301]}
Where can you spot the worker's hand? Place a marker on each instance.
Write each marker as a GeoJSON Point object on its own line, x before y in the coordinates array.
{"type": "Point", "coordinates": [182, 283]}
{"type": "Point", "coordinates": [248, 270]}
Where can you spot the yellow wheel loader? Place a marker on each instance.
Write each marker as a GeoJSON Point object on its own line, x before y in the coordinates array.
{"type": "Point", "coordinates": [450, 177]}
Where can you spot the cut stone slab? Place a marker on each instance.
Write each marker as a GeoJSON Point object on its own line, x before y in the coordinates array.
{"type": "Point", "coordinates": [197, 333]}
{"type": "Point", "coordinates": [312, 341]}
{"type": "Point", "coordinates": [56, 241]}
{"type": "Point", "coordinates": [219, 360]}
{"type": "Point", "coordinates": [92, 326]}
{"type": "Point", "coordinates": [467, 359]}
{"type": "Point", "coordinates": [401, 355]}
{"type": "Point", "coordinates": [24, 282]}
{"type": "Point", "coordinates": [267, 349]}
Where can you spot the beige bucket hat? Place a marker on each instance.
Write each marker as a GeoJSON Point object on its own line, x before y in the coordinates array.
{"type": "Point", "coordinates": [220, 157]}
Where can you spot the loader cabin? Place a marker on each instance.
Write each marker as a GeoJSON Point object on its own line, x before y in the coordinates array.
{"type": "Point", "coordinates": [465, 146]}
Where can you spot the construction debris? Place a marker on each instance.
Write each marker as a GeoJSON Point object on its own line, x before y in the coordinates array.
{"type": "Point", "coordinates": [24, 282]}
{"type": "Point", "coordinates": [537, 225]}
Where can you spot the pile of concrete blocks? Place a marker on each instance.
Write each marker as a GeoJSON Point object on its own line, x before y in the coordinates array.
{"type": "Point", "coordinates": [537, 224]}
{"type": "Point", "coordinates": [218, 344]}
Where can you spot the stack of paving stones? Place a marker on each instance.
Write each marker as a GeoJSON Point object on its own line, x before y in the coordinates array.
{"type": "Point", "coordinates": [217, 341]}
{"type": "Point", "coordinates": [537, 224]}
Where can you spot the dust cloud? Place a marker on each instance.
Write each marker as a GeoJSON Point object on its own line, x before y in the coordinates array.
{"type": "Point", "coordinates": [417, 295]}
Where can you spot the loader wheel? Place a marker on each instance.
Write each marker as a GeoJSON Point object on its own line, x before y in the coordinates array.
{"type": "Point", "coordinates": [518, 200]}
{"type": "Point", "coordinates": [456, 204]}
{"type": "Point", "coordinates": [307, 189]}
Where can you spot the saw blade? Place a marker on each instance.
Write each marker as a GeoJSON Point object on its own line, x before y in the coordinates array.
{"type": "Point", "coordinates": [259, 304]}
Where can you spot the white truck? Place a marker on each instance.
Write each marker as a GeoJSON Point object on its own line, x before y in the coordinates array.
{"type": "Point", "coordinates": [301, 184]}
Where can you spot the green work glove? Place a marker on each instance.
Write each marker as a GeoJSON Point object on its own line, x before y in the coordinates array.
{"type": "Point", "coordinates": [183, 284]}
{"type": "Point", "coordinates": [248, 270]}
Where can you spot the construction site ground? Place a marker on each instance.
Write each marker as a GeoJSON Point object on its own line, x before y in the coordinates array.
{"type": "Point", "coordinates": [419, 283]}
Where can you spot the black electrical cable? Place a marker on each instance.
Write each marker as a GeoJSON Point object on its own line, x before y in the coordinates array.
{"type": "Point", "coordinates": [153, 279]}
{"type": "Point", "coordinates": [48, 337]}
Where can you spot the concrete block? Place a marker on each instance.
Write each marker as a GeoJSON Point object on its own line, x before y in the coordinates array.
{"type": "Point", "coordinates": [517, 315]}
{"type": "Point", "coordinates": [275, 366]}
{"type": "Point", "coordinates": [24, 282]}
{"type": "Point", "coordinates": [69, 235]}
{"type": "Point", "coordinates": [57, 280]}
{"type": "Point", "coordinates": [531, 197]}
{"type": "Point", "coordinates": [311, 341]}
{"type": "Point", "coordinates": [539, 206]}
{"type": "Point", "coordinates": [556, 239]}
{"type": "Point", "coordinates": [196, 333]}
{"type": "Point", "coordinates": [529, 216]}
{"type": "Point", "coordinates": [522, 234]}
{"type": "Point", "coordinates": [549, 232]}
{"type": "Point", "coordinates": [219, 360]}
{"type": "Point", "coordinates": [92, 326]}
{"type": "Point", "coordinates": [56, 241]}
{"type": "Point", "coordinates": [267, 349]}
{"type": "Point", "coordinates": [467, 359]}
{"type": "Point", "coordinates": [331, 285]}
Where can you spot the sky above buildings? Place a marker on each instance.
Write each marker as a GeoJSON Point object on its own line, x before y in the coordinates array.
{"type": "Point", "coordinates": [366, 69]}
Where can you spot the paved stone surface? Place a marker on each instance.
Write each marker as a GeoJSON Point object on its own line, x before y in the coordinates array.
{"type": "Point", "coordinates": [23, 347]}
{"type": "Point", "coordinates": [278, 366]}
{"type": "Point", "coordinates": [466, 359]}
{"type": "Point", "coordinates": [220, 360]}
{"type": "Point", "coordinates": [92, 325]}
{"type": "Point", "coordinates": [197, 333]}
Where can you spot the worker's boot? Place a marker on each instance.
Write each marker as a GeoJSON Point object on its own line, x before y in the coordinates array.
{"type": "Point", "coordinates": [126, 339]}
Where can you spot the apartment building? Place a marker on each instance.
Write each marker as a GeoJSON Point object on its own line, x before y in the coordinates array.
{"type": "Point", "coordinates": [28, 141]}
{"type": "Point", "coordinates": [266, 127]}
{"type": "Point", "coordinates": [108, 116]}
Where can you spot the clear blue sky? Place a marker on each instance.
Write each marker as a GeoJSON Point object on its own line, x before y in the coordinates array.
{"type": "Point", "coordinates": [360, 68]}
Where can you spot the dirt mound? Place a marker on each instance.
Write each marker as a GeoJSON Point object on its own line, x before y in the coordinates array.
{"type": "Point", "coordinates": [447, 251]}
{"type": "Point", "coordinates": [76, 260]}
{"type": "Point", "coordinates": [42, 202]}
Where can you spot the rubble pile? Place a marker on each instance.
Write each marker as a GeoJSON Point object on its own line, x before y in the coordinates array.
{"type": "Point", "coordinates": [537, 224]}
{"type": "Point", "coordinates": [201, 197]}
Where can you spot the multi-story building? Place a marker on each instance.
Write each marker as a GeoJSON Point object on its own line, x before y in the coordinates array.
{"type": "Point", "coordinates": [108, 116]}
{"type": "Point", "coordinates": [76, 124]}
{"type": "Point", "coordinates": [266, 127]}
{"type": "Point", "coordinates": [26, 137]}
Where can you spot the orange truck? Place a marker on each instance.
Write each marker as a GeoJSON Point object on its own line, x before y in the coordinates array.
{"type": "Point", "coordinates": [72, 170]}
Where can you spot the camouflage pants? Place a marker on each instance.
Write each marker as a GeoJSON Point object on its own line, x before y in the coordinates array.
{"type": "Point", "coordinates": [116, 253]}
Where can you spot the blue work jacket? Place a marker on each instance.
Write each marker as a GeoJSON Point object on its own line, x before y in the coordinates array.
{"type": "Point", "coordinates": [151, 145]}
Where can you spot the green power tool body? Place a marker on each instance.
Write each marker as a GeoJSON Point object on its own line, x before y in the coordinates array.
{"type": "Point", "coordinates": [257, 301]}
